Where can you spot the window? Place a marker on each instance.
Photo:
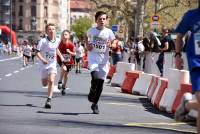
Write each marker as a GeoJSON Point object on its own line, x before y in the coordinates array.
{"type": "Point", "coordinates": [21, 0]}
{"type": "Point", "coordinates": [20, 24]}
{"type": "Point", "coordinates": [20, 10]}
{"type": "Point", "coordinates": [45, 22]}
{"type": "Point", "coordinates": [45, 12]}
{"type": "Point", "coordinates": [33, 1]}
{"type": "Point", "coordinates": [33, 10]}
{"type": "Point", "coordinates": [33, 23]}
{"type": "Point", "coordinates": [13, 2]}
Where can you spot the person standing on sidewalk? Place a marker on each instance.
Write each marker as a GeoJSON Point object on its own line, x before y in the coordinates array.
{"type": "Point", "coordinates": [47, 50]}
{"type": "Point", "coordinates": [98, 42]}
{"type": "Point", "coordinates": [67, 50]}
{"type": "Point", "coordinates": [193, 57]}
{"type": "Point", "coordinates": [163, 48]}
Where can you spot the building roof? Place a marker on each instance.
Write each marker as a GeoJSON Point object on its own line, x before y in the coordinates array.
{"type": "Point", "coordinates": [80, 4]}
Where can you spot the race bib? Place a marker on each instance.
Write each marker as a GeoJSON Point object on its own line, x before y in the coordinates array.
{"type": "Point", "coordinates": [66, 57]}
{"type": "Point", "coordinates": [197, 43]}
{"type": "Point", "coordinates": [50, 56]}
{"type": "Point", "coordinates": [27, 52]}
{"type": "Point", "coordinates": [100, 48]}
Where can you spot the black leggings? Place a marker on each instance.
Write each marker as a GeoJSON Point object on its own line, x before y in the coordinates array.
{"type": "Point", "coordinates": [96, 86]}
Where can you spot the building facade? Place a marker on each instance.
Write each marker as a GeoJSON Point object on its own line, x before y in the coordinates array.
{"type": "Point", "coordinates": [80, 8]}
{"type": "Point", "coordinates": [29, 17]}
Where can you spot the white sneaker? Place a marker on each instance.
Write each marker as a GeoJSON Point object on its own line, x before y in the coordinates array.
{"type": "Point", "coordinates": [181, 112]}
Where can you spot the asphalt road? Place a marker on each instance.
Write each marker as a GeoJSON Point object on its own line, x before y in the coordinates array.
{"type": "Point", "coordinates": [22, 99]}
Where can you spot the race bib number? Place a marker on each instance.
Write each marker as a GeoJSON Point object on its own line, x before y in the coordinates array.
{"type": "Point", "coordinates": [66, 57]}
{"type": "Point", "coordinates": [100, 48]}
{"type": "Point", "coordinates": [26, 52]}
{"type": "Point", "coordinates": [50, 56]}
{"type": "Point", "coordinates": [197, 43]}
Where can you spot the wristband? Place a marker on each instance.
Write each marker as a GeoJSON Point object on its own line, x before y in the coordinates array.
{"type": "Point", "coordinates": [178, 54]}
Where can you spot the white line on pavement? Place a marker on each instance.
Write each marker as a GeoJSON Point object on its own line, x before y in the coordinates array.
{"type": "Point", "coordinates": [22, 69]}
{"type": "Point", "coordinates": [7, 75]}
{"type": "Point", "coordinates": [16, 71]}
{"type": "Point", "coordinates": [10, 59]}
{"type": "Point", "coordinates": [0, 79]}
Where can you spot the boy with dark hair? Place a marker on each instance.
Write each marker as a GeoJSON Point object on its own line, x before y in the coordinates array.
{"type": "Point", "coordinates": [98, 42]}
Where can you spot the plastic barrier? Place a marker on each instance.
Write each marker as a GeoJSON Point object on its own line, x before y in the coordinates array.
{"type": "Point", "coordinates": [129, 81]}
{"type": "Point", "coordinates": [163, 85]}
{"type": "Point", "coordinates": [184, 88]}
{"type": "Point", "coordinates": [193, 113]}
{"type": "Point", "coordinates": [168, 60]}
{"type": "Point", "coordinates": [152, 87]}
{"type": "Point", "coordinates": [142, 84]}
{"type": "Point", "coordinates": [185, 62]}
{"type": "Point", "coordinates": [121, 69]}
{"type": "Point", "coordinates": [85, 62]}
{"type": "Point", "coordinates": [112, 70]}
{"type": "Point", "coordinates": [175, 79]}
{"type": "Point", "coordinates": [150, 63]}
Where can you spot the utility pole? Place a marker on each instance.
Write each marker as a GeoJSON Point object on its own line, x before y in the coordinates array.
{"type": "Point", "coordinates": [11, 22]}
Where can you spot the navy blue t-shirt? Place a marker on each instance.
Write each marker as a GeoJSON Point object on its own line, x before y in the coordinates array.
{"type": "Point", "coordinates": [191, 22]}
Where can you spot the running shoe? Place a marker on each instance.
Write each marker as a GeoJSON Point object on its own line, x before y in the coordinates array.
{"type": "Point", "coordinates": [48, 103]}
{"type": "Point", "coordinates": [59, 85]}
{"type": "Point", "coordinates": [63, 91]}
{"type": "Point", "coordinates": [95, 109]}
{"type": "Point", "coordinates": [76, 71]}
{"type": "Point", "coordinates": [181, 112]}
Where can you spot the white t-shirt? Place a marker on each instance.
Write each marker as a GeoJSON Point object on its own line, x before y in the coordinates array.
{"type": "Point", "coordinates": [100, 52]}
{"type": "Point", "coordinates": [27, 50]}
{"type": "Point", "coordinates": [79, 51]}
{"type": "Point", "coordinates": [48, 51]}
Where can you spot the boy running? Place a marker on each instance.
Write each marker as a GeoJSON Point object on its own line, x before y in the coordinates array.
{"type": "Point", "coordinates": [98, 41]}
{"type": "Point", "coordinates": [47, 50]}
{"type": "Point", "coordinates": [67, 50]}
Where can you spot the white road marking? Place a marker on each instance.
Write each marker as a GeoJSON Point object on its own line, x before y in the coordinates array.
{"type": "Point", "coordinates": [10, 59]}
{"type": "Point", "coordinates": [8, 75]}
{"type": "Point", "coordinates": [0, 78]}
{"type": "Point", "coordinates": [22, 69]}
{"type": "Point", "coordinates": [55, 90]}
{"type": "Point", "coordinates": [16, 71]}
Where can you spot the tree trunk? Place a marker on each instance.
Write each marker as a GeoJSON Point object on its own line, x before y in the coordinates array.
{"type": "Point", "coordinates": [139, 18]}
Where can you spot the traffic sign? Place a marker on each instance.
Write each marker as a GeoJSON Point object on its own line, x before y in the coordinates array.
{"type": "Point", "coordinates": [155, 18]}
{"type": "Point", "coordinates": [114, 28]}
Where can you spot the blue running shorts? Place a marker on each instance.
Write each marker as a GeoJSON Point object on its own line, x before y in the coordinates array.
{"type": "Point", "coordinates": [195, 79]}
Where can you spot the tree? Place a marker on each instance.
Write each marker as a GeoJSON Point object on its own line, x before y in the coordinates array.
{"type": "Point", "coordinates": [80, 26]}
{"type": "Point", "coordinates": [137, 12]}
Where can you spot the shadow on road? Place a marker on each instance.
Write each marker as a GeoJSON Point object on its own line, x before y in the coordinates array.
{"type": "Point", "coordinates": [75, 114]}
{"type": "Point", "coordinates": [26, 105]}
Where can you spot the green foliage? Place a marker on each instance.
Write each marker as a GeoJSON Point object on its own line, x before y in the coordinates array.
{"type": "Point", "coordinates": [80, 26]}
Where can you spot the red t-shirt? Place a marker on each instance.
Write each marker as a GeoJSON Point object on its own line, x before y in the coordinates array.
{"type": "Point", "coordinates": [63, 49]}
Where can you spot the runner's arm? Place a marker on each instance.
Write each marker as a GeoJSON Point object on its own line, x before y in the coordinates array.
{"type": "Point", "coordinates": [60, 55]}
{"type": "Point", "coordinates": [88, 45]}
{"type": "Point", "coordinates": [41, 57]}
